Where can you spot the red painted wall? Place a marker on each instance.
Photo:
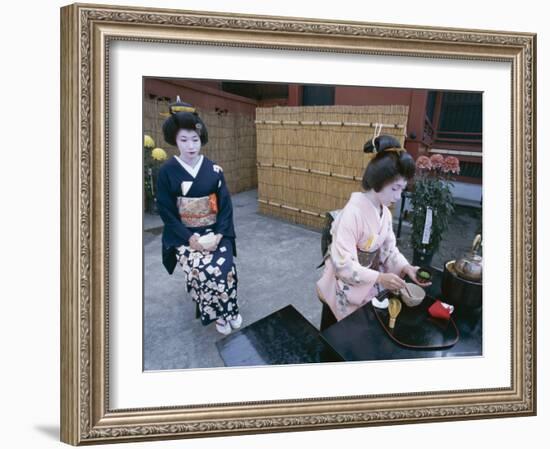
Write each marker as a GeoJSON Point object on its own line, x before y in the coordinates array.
{"type": "Point", "coordinates": [204, 96]}
{"type": "Point", "coordinates": [359, 96]}
{"type": "Point", "coordinates": [294, 95]}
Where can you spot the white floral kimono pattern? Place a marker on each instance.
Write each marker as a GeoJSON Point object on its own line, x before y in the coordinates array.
{"type": "Point", "coordinates": [345, 284]}
{"type": "Point", "coordinates": [211, 280]}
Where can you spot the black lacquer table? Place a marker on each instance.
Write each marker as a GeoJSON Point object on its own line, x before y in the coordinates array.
{"type": "Point", "coordinates": [283, 337]}
{"type": "Point", "coordinates": [360, 335]}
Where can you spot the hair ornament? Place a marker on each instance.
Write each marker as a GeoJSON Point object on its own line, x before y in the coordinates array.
{"type": "Point", "coordinates": [395, 149]}
{"type": "Point", "coordinates": [179, 106]}
{"type": "Point", "coordinates": [181, 109]}
{"type": "Point", "coordinates": [371, 147]}
{"type": "Point", "coordinates": [377, 130]}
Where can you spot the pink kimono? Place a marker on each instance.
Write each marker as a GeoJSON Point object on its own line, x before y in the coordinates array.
{"type": "Point", "coordinates": [359, 233]}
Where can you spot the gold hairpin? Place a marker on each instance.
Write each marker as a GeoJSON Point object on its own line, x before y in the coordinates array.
{"type": "Point", "coordinates": [396, 150]}
{"type": "Point", "coordinates": [182, 109]}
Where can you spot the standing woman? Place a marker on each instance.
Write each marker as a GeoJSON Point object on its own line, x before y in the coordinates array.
{"type": "Point", "coordinates": [195, 206]}
{"type": "Point", "coordinates": [363, 257]}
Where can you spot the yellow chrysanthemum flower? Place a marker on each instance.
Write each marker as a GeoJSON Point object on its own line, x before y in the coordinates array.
{"type": "Point", "coordinates": [148, 141]}
{"type": "Point", "coordinates": [159, 154]}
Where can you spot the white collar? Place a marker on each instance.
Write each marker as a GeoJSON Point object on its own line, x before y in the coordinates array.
{"type": "Point", "coordinates": [193, 171]}
{"type": "Point", "coordinates": [379, 209]}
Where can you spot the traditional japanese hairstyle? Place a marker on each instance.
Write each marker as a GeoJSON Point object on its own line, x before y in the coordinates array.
{"type": "Point", "coordinates": [183, 116]}
{"type": "Point", "coordinates": [389, 162]}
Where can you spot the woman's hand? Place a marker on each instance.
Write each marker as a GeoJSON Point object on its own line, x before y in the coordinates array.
{"type": "Point", "coordinates": [410, 271]}
{"type": "Point", "coordinates": [390, 281]}
{"type": "Point", "coordinates": [214, 245]}
{"type": "Point", "coordinates": [194, 243]}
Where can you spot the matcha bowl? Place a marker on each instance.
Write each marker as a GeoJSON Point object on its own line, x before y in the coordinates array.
{"type": "Point", "coordinates": [424, 275]}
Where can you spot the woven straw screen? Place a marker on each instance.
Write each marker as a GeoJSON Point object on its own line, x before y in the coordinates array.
{"type": "Point", "coordinates": [231, 142]}
{"type": "Point", "coordinates": [310, 158]}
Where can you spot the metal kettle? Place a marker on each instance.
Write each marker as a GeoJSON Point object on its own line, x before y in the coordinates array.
{"type": "Point", "coordinates": [470, 266]}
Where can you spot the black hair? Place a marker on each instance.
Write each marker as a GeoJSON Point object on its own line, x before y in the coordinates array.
{"type": "Point", "coordinates": [390, 162]}
{"type": "Point", "coordinates": [183, 120]}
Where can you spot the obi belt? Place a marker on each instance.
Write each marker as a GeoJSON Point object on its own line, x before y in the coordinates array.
{"type": "Point", "coordinates": [198, 212]}
{"type": "Point", "coordinates": [369, 260]}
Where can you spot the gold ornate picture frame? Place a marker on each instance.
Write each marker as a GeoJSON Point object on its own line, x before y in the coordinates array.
{"type": "Point", "coordinates": [87, 32]}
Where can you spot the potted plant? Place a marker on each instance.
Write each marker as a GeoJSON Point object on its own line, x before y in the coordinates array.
{"type": "Point", "coordinates": [152, 158]}
{"type": "Point", "coordinates": [432, 203]}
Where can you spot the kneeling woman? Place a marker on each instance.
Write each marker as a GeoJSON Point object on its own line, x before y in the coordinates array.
{"type": "Point", "coordinates": [363, 257]}
{"type": "Point", "coordinates": [195, 206]}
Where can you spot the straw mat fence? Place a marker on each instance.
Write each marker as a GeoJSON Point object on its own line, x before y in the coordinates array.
{"type": "Point", "coordinates": [310, 158]}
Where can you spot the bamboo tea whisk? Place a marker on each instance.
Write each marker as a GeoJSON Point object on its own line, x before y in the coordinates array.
{"type": "Point", "coordinates": [394, 308]}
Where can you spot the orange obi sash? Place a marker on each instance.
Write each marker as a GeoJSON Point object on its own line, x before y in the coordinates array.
{"type": "Point", "coordinates": [198, 212]}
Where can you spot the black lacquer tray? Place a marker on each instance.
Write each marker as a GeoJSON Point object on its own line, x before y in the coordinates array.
{"type": "Point", "coordinates": [416, 329]}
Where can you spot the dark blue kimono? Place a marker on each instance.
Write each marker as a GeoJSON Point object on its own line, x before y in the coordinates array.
{"type": "Point", "coordinates": [208, 180]}
{"type": "Point", "coordinates": [211, 277]}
